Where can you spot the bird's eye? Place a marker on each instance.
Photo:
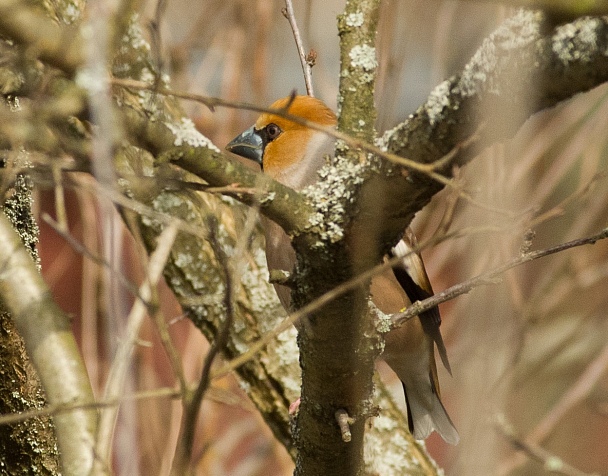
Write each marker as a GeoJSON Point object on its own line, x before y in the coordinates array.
{"type": "Point", "coordinates": [273, 131]}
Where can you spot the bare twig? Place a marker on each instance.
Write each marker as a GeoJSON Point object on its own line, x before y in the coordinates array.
{"type": "Point", "coordinates": [450, 209]}
{"type": "Point", "coordinates": [62, 216]}
{"type": "Point", "coordinates": [416, 308]}
{"type": "Point", "coordinates": [550, 462]}
{"type": "Point", "coordinates": [84, 251]}
{"type": "Point", "coordinates": [490, 277]}
{"type": "Point", "coordinates": [216, 394]}
{"type": "Point", "coordinates": [116, 378]}
{"type": "Point", "coordinates": [156, 38]}
{"type": "Point", "coordinates": [307, 61]}
{"type": "Point", "coordinates": [172, 353]}
{"type": "Point", "coordinates": [231, 190]}
{"type": "Point", "coordinates": [344, 422]}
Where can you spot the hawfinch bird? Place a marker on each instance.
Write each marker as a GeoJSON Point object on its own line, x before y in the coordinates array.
{"type": "Point", "coordinates": [292, 154]}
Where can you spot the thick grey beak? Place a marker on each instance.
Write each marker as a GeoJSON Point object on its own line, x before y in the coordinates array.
{"type": "Point", "coordinates": [249, 145]}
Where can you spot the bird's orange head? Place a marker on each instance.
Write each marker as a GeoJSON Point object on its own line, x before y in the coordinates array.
{"type": "Point", "coordinates": [281, 146]}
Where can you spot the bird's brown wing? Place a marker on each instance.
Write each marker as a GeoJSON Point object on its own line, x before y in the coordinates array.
{"type": "Point", "coordinates": [412, 277]}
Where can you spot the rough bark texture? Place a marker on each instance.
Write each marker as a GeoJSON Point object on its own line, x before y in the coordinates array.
{"type": "Point", "coordinates": [27, 447]}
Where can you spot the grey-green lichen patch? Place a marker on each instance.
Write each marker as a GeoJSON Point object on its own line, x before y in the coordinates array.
{"type": "Point", "coordinates": [384, 423]}
{"type": "Point", "coordinates": [262, 298]}
{"type": "Point", "coordinates": [283, 357]}
{"type": "Point", "coordinates": [18, 208]}
{"type": "Point", "coordinates": [496, 52]}
{"type": "Point", "coordinates": [330, 196]}
{"type": "Point", "coordinates": [382, 141]}
{"type": "Point", "coordinates": [66, 12]}
{"type": "Point", "coordinates": [438, 102]}
{"type": "Point", "coordinates": [186, 134]}
{"type": "Point", "coordinates": [386, 459]}
{"type": "Point", "coordinates": [174, 205]}
{"type": "Point", "coordinates": [267, 198]}
{"type": "Point", "coordinates": [577, 41]}
{"type": "Point", "coordinates": [382, 321]}
{"type": "Point", "coordinates": [90, 80]}
{"type": "Point", "coordinates": [363, 56]}
{"type": "Point", "coordinates": [354, 20]}
{"type": "Point", "coordinates": [71, 13]}
{"type": "Point", "coordinates": [134, 37]}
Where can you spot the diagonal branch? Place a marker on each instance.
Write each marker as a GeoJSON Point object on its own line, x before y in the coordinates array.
{"type": "Point", "coordinates": [525, 66]}
{"type": "Point", "coordinates": [491, 276]}
{"type": "Point", "coordinates": [46, 332]}
{"type": "Point", "coordinates": [282, 204]}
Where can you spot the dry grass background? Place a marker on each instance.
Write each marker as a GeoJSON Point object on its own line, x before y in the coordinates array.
{"type": "Point", "coordinates": [530, 349]}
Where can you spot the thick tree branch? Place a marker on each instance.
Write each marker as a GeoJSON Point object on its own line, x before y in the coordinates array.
{"type": "Point", "coordinates": [519, 70]}
{"type": "Point", "coordinates": [337, 342]}
{"type": "Point", "coordinates": [186, 148]}
{"type": "Point", "coordinates": [51, 346]}
{"type": "Point", "coordinates": [560, 10]}
{"type": "Point", "coordinates": [281, 204]}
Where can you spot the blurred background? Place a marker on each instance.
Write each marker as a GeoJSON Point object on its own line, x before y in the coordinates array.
{"type": "Point", "coordinates": [529, 353]}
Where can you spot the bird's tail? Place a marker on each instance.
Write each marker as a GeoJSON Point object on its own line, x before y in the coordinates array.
{"type": "Point", "coordinates": [426, 413]}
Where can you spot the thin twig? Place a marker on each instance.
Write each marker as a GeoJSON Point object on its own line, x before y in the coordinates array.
{"type": "Point", "coordinates": [156, 38]}
{"type": "Point", "coordinates": [116, 378]}
{"type": "Point", "coordinates": [550, 462]}
{"type": "Point", "coordinates": [416, 308]}
{"type": "Point", "coordinates": [232, 190]}
{"type": "Point", "coordinates": [84, 251]}
{"type": "Point", "coordinates": [172, 353]}
{"type": "Point", "coordinates": [60, 210]}
{"type": "Point", "coordinates": [304, 61]}
{"type": "Point", "coordinates": [450, 209]}
{"type": "Point", "coordinates": [490, 277]}
{"type": "Point", "coordinates": [218, 395]}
